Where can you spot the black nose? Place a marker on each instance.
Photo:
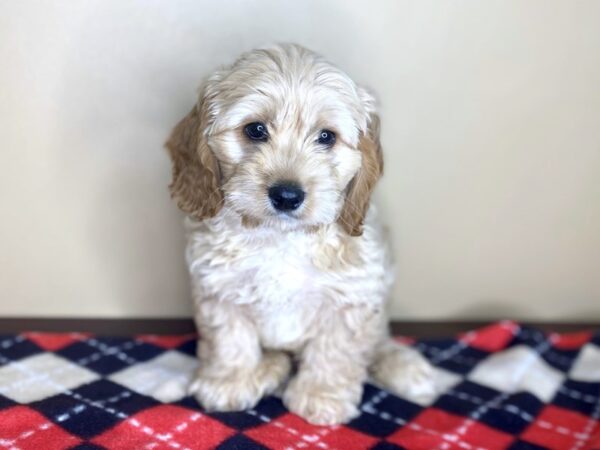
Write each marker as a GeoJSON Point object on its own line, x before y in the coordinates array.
{"type": "Point", "coordinates": [286, 196]}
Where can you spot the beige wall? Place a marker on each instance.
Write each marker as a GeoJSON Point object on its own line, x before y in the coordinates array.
{"type": "Point", "coordinates": [491, 115]}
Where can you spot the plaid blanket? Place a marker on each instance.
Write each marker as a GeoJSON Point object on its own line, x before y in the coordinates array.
{"type": "Point", "coordinates": [505, 386]}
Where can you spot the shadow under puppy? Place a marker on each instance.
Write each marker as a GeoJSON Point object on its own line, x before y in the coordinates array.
{"type": "Point", "coordinates": [274, 166]}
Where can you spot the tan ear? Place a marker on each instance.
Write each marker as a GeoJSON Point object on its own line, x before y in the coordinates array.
{"type": "Point", "coordinates": [360, 187]}
{"type": "Point", "coordinates": [196, 184]}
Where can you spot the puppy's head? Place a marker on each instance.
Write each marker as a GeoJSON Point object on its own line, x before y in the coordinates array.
{"type": "Point", "coordinates": [283, 139]}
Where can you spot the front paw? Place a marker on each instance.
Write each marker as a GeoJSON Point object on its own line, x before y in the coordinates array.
{"type": "Point", "coordinates": [321, 405]}
{"type": "Point", "coordinates": [405, 372]}
{"type": "Point", "coordinates": [244, 389]}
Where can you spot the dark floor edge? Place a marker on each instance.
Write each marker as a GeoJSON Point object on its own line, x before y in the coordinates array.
{"type": "Point", "coordinates": [182, 326]}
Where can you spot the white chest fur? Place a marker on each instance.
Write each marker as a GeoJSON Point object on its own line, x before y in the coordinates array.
{"type": "Point", "coordinates": [282, 280]}
{"type": "Point", "coordinates": [285, 293]}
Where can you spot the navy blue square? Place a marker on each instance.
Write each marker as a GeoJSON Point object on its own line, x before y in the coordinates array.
{"type": "Point", "coordinates": [270, 407]}
{"type": "Point", "coordinates": [240, 420]}
{"type": "Point", "coordinates": [514, 414]}
{"type": "Point", "coordinates": [14, 348]}
{"type": "Point", "coordinates": [511, 416]}
{"type": "Point", "coordinates": [560, 359]}
{"type": "Point", "coordinates": [93, 408]}
{"type": "Point", "coordinates": [369, 391]}
{"type": "Point", "coordinates": [455, 358]}
{"type": "Point", "coordinates": [240, 442]}
{"type": "Point", "coordinates": [116, 396]}
{"type": "Point", "coordinates": [529, 336]}
{"type": "Point", "coordinates": [461, 362]}
{"type": "Point", "coordinates": [387, 446]}
{"type": "Point", "coordinates": [6, 402]}
{"type": "Point", "coordinates": [370, 421]}
{"type": "Point", "coordinates": [109, 355]}
{"type": "Point", "coordinates": [596, 338]}
{"type": "Point", "coordinates": [75, 416]}
{"type": "Point", "coordinates": [374, 425]}
{"type": "Point", "coordinates": [383, 413]}
{"type": "Point", "coordinates": [398, 407]}
{"type": "Point", "coordinates": [87, 446]}
{"type": "Point", "coordinates": [451, 355]}
{"type": "Point", "coordinates": [524, 445]}
{"type": "Point", "coordinates": [465, 398]}
{"type": "Point", "coordinates": [190, 403]}
{"type": "Point", "coordinates": [188, 347]}
{"type": "Point", "coordinates": [578, 395]}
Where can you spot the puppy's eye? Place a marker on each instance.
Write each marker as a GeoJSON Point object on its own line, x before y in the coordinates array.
{"type": "Point", "coordinates": [326, 137]}
{"type": "Point", "coordinates": [257, 131]}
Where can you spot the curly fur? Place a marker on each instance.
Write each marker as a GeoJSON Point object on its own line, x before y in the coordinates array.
{"type": "Point", "coordinates": [309, 285]}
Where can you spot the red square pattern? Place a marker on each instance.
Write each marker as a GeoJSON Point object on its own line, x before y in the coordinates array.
{"type": "Point", "coordinates": [290, 430]}
{"type": "Point", "coordinates": [26, 429]}
{"type": "Point", "coordinates": [557, 428]}
{"type": "Point", "coordinates": [55, 341]}
{"type": "Point", "coordinates": [168, 341]}
{"type": "Point", "coordinates": [434, 428]}
{"type": "Point", "coordinates": [407, 340]}
{"type": "Point", "coordinates": [165, 427]}
{"type": "Point", "coordinates": [570, 341]}
{"type": "Point", "coordinates": [491, 338]}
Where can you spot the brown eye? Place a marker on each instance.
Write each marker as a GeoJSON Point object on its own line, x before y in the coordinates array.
{"type": "Point", "coordinates": [326, 137]}
{"type": "Point", "coordinates": [256, 131]}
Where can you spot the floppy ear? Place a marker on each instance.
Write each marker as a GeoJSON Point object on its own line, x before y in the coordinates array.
{"type": "Point", "coordinates": [360, 187]}
{"type": "Point", "coordinates": [196, 184]}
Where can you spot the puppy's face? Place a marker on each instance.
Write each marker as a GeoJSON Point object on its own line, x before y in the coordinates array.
{"type": "Point", "coordinates": [282, 139]}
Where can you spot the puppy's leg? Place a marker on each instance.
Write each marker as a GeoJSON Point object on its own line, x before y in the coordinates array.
{"type": "Point", "coordinates": [403, 371]}
{"type": "Point", "coordinates": [234, 373]}
{"type": "Point", "coordinates": [332, 369]}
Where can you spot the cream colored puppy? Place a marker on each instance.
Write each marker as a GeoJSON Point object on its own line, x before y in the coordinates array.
{"type": "Point", "coordinates": [274, 166]}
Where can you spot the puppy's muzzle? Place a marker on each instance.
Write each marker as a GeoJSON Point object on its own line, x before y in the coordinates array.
{"type": "Point", "coordinates": [286, 196]}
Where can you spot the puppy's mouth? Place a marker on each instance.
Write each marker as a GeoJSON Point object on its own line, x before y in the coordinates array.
{"type": "Point", "coordinates": [277, 217]}
{"type": "Point", "coordinates": [284, 218]}
{"type": "Point", "coordinates": [276, 221]}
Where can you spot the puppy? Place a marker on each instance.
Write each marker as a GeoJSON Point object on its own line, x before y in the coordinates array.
{"type": "Point", "coordinates": [274, 166]}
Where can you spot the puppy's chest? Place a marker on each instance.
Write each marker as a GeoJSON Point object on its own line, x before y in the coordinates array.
{"type": "Point", "coordinates": [283, 325]}
{"type": "Point", "coordinates": [275, 282]}
{"type": "Point", "coordinates": [271, 273]}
